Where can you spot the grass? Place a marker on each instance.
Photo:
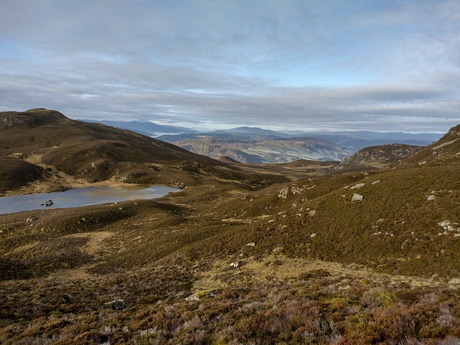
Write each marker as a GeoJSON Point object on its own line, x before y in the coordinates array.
{"type": "Point", "coordinates": [276, 308]}
{"type": "Point", "coordinates": [313, 266]}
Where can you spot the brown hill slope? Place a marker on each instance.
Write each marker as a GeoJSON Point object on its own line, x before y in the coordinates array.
{"type": "Point", "coordinates": [95, 152]}
{"type": "Point", "coordinates": [15, 173]}
{"type": "Point", "coordinates": [446, 151]}
{"type": "Point", "coordinates": [52, 134]}
{"type": "Point", "coordinates": [405, 220]}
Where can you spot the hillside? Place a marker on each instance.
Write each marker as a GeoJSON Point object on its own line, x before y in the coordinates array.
{"type": "Point", "coordinates": [361, 257]}
{"type": "Point", "coordinates": [378, 156]}
{"type": "Point", "coordinates": [446, 151]}
{"type": "Point", "coordinates": [49, 141]}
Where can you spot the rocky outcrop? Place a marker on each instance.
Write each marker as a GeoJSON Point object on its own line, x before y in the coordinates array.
{"type": "Point", "coordinates": [378, 156]}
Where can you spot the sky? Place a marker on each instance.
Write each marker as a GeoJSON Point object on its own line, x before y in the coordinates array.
{"type": "Point", "coordinates": [383, 65]}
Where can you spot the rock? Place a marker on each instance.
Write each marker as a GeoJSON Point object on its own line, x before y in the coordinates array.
{"type": "Point", "coordinates": [48, 203]}
{"type": "Point", "coordinates": [357, 197]}
{"type": "Point", "coordinates": [235, 264]}
{"type": "Point", "coordinates": [357, 186]}
{"type": "Point", "coordinates": [251, 244]}
{"type": "Point", "coordinates": [66, 298]}
{"type": "Point", "coordinates": [447, 225]}
{"type": "Point", "coordinates": [201, 294]}
{"type": "Point", "coordinates": [31, 219]}
{"type": "Point", "coordinates": [185, 294]}
{"type": "Point", "coordinates": [193, 297]}
{"type": "Point", "coordinates": [375, 182]}
{"type": "Point", "coordinates": [118, 304]}
{"type": "Point", "coordinates": [431, 198]}
{"type": "Point", "coordinates": [284, 192]}
{"type": "Point", "coordinates": [313, 235]}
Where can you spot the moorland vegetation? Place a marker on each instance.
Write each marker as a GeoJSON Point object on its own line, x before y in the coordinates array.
{"type": "Point", "coordinates": [301, 253]}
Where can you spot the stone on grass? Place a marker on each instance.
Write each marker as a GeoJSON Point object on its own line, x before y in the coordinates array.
{"type": "Point", "coordinates": [118, 304]}
{"type": "Point", "coordinates": [357, 197]}
{"type": "Point", "coordinates": [357, 186]}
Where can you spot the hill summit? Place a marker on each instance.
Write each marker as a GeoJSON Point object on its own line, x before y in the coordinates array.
{"type": "Point", "coordinates": [31, 118]}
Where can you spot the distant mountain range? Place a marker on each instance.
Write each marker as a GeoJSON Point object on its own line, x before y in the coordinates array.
{"type": "Point", "coordinates": [356, 140]}
{"type": "Point", "coordinates": [258, 145]}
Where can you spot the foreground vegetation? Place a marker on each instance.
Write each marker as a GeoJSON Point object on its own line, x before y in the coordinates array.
{"type": "Point", "coordinates": [315, 306]}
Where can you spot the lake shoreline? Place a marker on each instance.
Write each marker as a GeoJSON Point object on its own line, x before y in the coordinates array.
{"type": "Point", "coordinates": [91, 194]}
{"type": "Point", "coordinates": [40, 188]}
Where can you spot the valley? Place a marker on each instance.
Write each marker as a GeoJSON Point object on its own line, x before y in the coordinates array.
{"type": "Point", "coordinates": [362, 251]}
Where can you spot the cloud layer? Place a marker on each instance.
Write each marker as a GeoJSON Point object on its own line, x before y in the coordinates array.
{"type": "Point", "coordinates": [364, 65]}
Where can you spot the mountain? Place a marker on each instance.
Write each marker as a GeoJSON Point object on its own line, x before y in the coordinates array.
{"type": "Point", "coordinates": [268, 145]}
{"type": "Point", "coordinates": [322, 257]}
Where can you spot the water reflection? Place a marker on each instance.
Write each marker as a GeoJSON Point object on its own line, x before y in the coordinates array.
{"type": "Point", "coordinates": [80, 197]}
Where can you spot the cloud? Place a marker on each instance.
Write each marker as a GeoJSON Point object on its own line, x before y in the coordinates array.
{"type": "Point", "coordinates": [294, 64]}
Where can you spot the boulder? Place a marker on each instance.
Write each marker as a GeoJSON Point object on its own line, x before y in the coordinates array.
{"type": "Point", "coordinates": [117, 304]}
{"type": "Point", "coordinates": [357, 197]}
{"type": "Point", "coordinates": [357, 186]}
{"type": "Point", "coordinates": [47, 203]}
{"type": "Point", "coordinates": [235, 264]}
